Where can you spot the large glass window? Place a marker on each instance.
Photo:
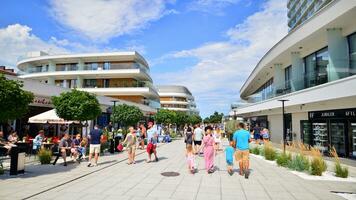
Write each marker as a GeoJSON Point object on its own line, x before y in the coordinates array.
{"type": "Point", "coordinates": [352, 50]}
{"type": "Point", "coordinates": [322, 61]}
{"type": "Point", "coordinates": [90, 83]}
{"type": "Point", "coordinates": [316, 66]}
{"type": "Point", "coordinates": [288, 77]}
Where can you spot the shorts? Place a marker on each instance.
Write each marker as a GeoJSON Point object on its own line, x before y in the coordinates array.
{"type": "Point", "coordinates": [256, 136]}
{"type": "Point", "coordinates": [94, 148]}
{"type": "Point", "coordinates": [131, 149]}
{"type": "Point", "coordinates": [242, 155]}
{"type": "Point", "coordinates": [229, 162]}
{"type": "Point", "coordinates": [150, 148]}
{"type": "Point", "coordinates": [197, 142]}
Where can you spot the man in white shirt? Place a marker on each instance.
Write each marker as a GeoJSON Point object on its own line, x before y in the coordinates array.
{"type": "Point", "coordinates": [198, 137]}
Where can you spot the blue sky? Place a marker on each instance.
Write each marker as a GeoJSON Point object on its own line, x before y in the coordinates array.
{"type": "Point", "coordinates": [210, 46]}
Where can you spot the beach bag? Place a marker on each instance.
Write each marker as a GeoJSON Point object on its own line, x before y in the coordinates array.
{"type": "Point", "coordinates": [120, 147]}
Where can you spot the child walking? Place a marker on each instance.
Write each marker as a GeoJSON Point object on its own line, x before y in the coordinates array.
{"type": "Point", "coordinates": [190, 159]}
{"type": "Point", "coordinates": [229, 154]}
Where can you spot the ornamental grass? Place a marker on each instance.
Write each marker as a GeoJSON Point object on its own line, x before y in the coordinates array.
{"type": "Point", "coordinates": [340, 171]}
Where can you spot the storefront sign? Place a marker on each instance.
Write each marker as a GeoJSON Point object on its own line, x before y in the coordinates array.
{"type": "Point", "coordinates": [42, 101]}
{"type": "Point", "coordinates": [345, 113]}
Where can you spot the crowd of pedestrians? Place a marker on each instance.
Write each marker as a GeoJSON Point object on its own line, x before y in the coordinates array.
{"type": "Point", "coordinates": [208, 142]}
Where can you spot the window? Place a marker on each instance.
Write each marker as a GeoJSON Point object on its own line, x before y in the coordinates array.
{"type": "Point", "coordinates": [90, 83]}
{"type": "Point", "coordinates": [265, 91]}
{"type": "Point", "coordinates": [352, 53]}
{"type": "Point", "coordinates": [316, 72]}
{"type": "Point", "coordinates": [106, 66]}
{"type": "Point", "coordinates": [288, 77]}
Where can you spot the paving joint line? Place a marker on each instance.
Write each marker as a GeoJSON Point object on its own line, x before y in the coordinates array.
{"type": "Point", "coordinates": [82, 176]}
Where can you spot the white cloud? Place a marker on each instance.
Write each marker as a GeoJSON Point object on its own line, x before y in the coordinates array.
{"type": "Point", "coordinates": [16, 40]}
{"type": "Point", "coordinates": [101, 20]}
{"type": "Point", "coordinates": [211, 6]}
{"type": "Point", "coordinates": [223, 66]}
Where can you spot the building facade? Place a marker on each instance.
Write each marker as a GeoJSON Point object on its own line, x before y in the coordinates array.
{"type": "Point", "coordinates": [120, 75]}
{"type": "Point", "coordinates": [177, 98]}
{"type": "Point", "coordinates": [301, 10]}
{"type": "Point", "coordinates": [314, 68]}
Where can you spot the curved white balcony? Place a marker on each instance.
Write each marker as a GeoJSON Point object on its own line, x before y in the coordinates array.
{"type": "Point", "coordinates": [123, 91]}
{"type": "Point", "coordinates": [91, 74]}
{"type": "Point", "coordinates": [175, 102]}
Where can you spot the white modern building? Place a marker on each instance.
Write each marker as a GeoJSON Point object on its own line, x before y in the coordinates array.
{"type": "Point", "coordinates": [177, 98]}
{"type": "Point", "coordinates": [301, 10]}
{"type": "Point", "coordinates": [314, 68]}
{"type": "Point", "coordinates": [120, 75]}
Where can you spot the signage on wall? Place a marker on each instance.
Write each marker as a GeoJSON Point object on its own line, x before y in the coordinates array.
{"type": "Point", "coordinates": [345, 113]}
{"type": "Point", "coordinates": [42, 101]}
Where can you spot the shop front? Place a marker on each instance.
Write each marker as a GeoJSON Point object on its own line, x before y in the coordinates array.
{"type": "Point", "coordinates": [331, 128]}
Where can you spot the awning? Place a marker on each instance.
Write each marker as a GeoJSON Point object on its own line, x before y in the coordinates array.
{"type": "Point", "coordinates": [50, 117]}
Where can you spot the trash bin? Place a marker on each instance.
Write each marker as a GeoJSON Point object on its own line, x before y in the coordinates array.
{"type": "Point", "coordinates": [17, 163]}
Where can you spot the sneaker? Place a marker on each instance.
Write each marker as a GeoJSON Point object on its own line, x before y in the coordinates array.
{"type": "Point", "coordinates": [89, 165]}
{"type": "Point", "coordinates": [95, 165]}
{"type": "Point", "coordinates": [65, 164]}
{"type": "Point", "coordinates": [247, 173]}
{"type": "Point", "coordinates": [156, 159]}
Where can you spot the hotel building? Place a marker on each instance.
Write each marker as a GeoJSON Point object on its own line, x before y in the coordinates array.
{"type": "Point", "coordinates": [120, 75]}
{"type": "Point", "coordinates": [314, 67]}
{"type": "Point", "coordinates": [177, 98]}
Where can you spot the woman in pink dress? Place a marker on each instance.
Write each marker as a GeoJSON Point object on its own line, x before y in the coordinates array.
{"type": "Point", "coordinates": [208, 146]}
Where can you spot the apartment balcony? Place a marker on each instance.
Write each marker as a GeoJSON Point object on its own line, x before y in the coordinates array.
{"type": "Point", "coordinates": [99, 73]}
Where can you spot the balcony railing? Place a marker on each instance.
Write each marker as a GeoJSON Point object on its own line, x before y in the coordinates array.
{"type": "Point", "coordinates": [294, 85]}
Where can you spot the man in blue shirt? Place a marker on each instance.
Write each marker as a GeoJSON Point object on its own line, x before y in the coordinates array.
{"type": "Point", "coordinates": [241, 140]}
{"type": "Point", "coordinates": [95, 136]}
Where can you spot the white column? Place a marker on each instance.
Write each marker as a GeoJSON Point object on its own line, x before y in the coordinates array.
{"type": "Point", "coordinates": [278, 77]}
{"type": "Point", "coordinates": [79, 82]}
{"type": "Point", "coordinates": [50, 80]}
{"type": "Point", "coordinates": [51, 66]}
{"type": "Point", "coordinates": [65, 83]}
{"type": "Point", "coordinates": [80, 65]}
{"type": "Point", "coordinates": [338, 54]}
{"type": "Point", "coordinates": [297, 78]}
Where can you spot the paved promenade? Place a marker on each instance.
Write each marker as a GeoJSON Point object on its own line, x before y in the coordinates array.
{"type": "Point", "coordinates": [114, 179]}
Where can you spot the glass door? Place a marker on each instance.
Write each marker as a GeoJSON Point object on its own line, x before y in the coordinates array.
{"type": "Point", "coordinates": [320, 136]}
{"type": "Point", "coordinates": [337, 132]}
{"type": "Point", "coordinates": [353, 140]}
{"type": "Point", "coordinates": [306, 132]}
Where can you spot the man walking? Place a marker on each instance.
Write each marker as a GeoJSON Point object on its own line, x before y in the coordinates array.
{"type": "Point", "coordinates": [152, 137]}
{"type": "Point", "coordinates": [241, 140]}
{"type": "Point", "coordinates": [95, 136]}
{"type": "Point", "coordinates": [198, 137]}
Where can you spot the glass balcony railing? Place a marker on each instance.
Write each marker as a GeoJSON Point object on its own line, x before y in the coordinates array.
{"type": "Point", "coordinates": [296, 84]}
{"type": "Point", "coordinates": [110, 84]}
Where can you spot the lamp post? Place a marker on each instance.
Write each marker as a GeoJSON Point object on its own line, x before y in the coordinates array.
{"type": "Point", "coordinates": [112, 142]}
{"type": "Point", "coordinates": [284, 125]}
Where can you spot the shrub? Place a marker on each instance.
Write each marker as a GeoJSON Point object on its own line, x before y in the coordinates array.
{"type": "Point", "coordinates": [340, 171]}
{"type": "Point", "coordinates": [45, 156]}
{"type": "Point", "coordinates": [173, 134]}
{"type": "Point", "coordinates": [1, 171]}
{"type": "Point", "coordinates": [318, 165]}
{"type": "Point", "coordinates": [255, 150]}
{"type": "Point", "coordinates": [269, 152]}
{"type": "Point", "coordinates": [299, 163]}
{"type": "Point", "coordinates": [283, 159]}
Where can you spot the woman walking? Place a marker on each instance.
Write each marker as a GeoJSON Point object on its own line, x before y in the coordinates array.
{"type": "Point", "coordinates": [189, 137]}
{"type": "Point", "coordinates": [130, 142]}
{"type": "Point", "coordinates": [208, 146]}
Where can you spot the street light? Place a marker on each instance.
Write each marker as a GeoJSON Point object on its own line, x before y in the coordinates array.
{"type": "Point", "coordinates": [284, 125]}
{"type": "Point", "coordinates": [112, 143]}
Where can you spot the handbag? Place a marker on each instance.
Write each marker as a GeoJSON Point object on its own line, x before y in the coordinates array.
{"type": "Point", "coordinates": [120, 147]}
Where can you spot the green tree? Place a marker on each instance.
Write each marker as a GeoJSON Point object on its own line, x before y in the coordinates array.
{"type": "Point", "coordinates": [126, 115]}
{"type": "Point", "coordinates": [164, 116]}
{"type": "Point", "coordinates": [14, 100]}
{"type": "Point", "coordinates": [76, 105]}
{"type": "Point", "coordinates": [214, 118]}
{"type": "Point", "coordinates": [181, 118]}
{"type": "Point", "coordinates": [194, 119]}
